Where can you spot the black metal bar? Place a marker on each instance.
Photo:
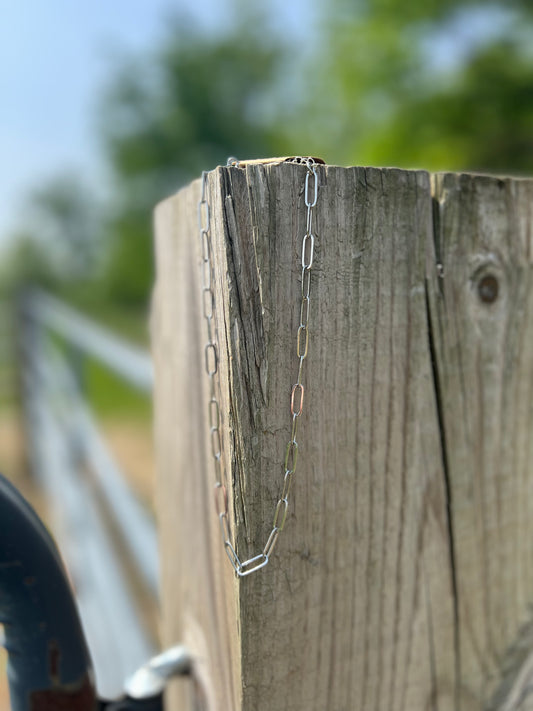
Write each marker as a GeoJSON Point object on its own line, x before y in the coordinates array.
{"type": "Point", "coordinates": [49, 666]}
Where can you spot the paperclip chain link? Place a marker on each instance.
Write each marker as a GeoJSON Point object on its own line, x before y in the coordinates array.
{"type": "Point", "coordinates": [243, 568]}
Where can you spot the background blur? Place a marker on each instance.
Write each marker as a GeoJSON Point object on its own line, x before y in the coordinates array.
{"type": "Point", "coordinates": [105, 109]}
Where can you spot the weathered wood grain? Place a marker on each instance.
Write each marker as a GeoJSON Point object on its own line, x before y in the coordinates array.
{"type": "Point", "coordinates": [403, 578]}
{"type": "Point", "coordinates": [199, 595]}
{"type": "Point", "coordinates": [482, 316]}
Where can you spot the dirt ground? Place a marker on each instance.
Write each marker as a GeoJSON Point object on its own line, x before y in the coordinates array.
{"type": "Point", "coordinates": [131, 443]}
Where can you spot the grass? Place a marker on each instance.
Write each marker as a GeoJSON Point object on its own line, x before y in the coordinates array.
{"type": "Point", "coordinates": [110, 397]}
{"type": "Point", "coordinates": [131, 323]}
{"type": "Point", "coordinates": [106, 392]}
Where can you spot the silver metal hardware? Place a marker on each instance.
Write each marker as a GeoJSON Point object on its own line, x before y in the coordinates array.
{"type": "Point", "coordinates": [256, 562]}
{"type": "Point", "coordinates": [151, 678]}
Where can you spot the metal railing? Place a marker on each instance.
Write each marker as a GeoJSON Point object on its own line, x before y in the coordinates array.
{"type": "Point", "coordinates": [97, 520]}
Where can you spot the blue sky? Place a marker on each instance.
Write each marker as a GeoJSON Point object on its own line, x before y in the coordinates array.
{"type": "Point", "coordinates": [55, 56]}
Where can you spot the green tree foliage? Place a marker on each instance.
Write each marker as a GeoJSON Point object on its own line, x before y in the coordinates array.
{"type": "Point", "coordinates": [25, 262]}
{"type": "Point", "coordinates": [484, 124]}
{"type": "Point", "coordinates": [58, 242]}
{"type": "Point", "coordinates": [200, 99]}
{"type": "Point", "coordinates": [65, 217]}
{"type": "Point", "coordinates": [439, 84]}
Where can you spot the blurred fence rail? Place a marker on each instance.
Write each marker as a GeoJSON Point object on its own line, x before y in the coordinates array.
{"type": "Point", "coordinates": [105, 534]}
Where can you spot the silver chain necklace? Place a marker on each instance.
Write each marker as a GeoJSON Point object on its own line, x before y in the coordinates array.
{"type": "Point", "coordinates": [258, 561]}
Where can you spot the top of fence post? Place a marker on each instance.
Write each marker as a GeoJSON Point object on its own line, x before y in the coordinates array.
{"type": "Point", "coordinates": [403, 572]}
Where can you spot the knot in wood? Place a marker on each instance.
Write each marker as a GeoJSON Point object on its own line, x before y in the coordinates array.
{"type": "Point", "coordinates": [488, 288]}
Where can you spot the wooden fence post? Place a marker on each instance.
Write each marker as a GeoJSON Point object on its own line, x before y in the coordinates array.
{"type": "Point", "coordinates": [403, 579]}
